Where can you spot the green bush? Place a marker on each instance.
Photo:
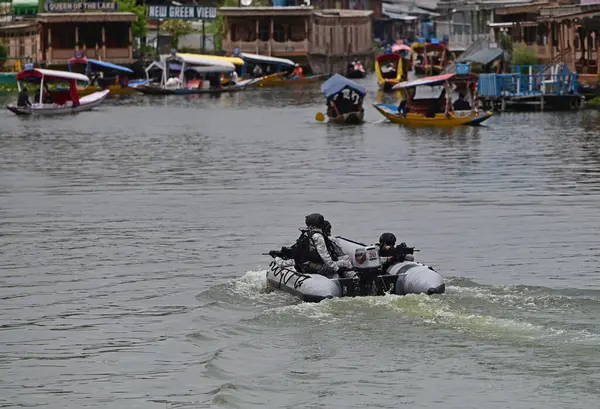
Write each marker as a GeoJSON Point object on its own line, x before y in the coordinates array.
{"type": "Point", "coordinates": [522, 55]}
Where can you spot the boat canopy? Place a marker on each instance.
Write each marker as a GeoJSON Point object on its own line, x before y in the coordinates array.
{"type": "Point", "coordinates": [198, 59]}
{"type": "Point", "coordinates": [338, 83]}
{"type": "Point", "coordinates": [108, 65]}
{"type": "Point", "coordinates": [421, 47]}
{"type": "Point", "coordinates": [431, 81]}
{"type": "Point", "coordinates": [388, 57]}
{"type": "Point", "coordinates": [485, 56]}
{"type": "Point", "coordinates": [198, 69]}
{"type": "Point", "coordinates": [211, 69]}
{"type": "Point", "coordinates": [51, 75]}
{"type": "Point", "coordinates": [233, 60]}
{"type": "Point", "coordinates": [263, 59]}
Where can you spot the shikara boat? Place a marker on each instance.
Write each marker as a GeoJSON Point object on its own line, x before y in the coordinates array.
{"type": "Point", "coordinates": [282, 79]}
{"type": "Point", "coordinates": [429, 58]}
{"type": "Point", "coordinates": [391, 69]}
{"type": "Point", "coordinates": [185, 74]}
{"type": "Point", "coordinates": [433, 106]}
{"type": "Point", "coordinates": [275, 71]}
{"type": "Point", "coordinates": [104, 75]}
{"type": "Point", "coordinates": [356, 70]}
{"type": "Point", "coordinates": [344, 100]}
{"type": "Point", "coordinates": [55, 102]}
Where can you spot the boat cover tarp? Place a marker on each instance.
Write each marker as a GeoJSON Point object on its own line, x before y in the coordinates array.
{"type": "Point", "coordinates": [485, 57]}
{"type": "Point", "coordinates": [108, 65]}
{"type": "Point", "coordinates": [431, 81]}
{"type": "Point", "coordinates": [338, 83]}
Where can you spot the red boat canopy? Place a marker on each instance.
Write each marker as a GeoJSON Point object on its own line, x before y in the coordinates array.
{"type": "Point", "coordinates": [388, 57]}
{"type": "Point", "coordinates": [53, 75]}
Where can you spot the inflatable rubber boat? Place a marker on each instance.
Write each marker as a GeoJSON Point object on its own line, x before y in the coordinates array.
{"type": "Point", "coordinates": [403, 277]}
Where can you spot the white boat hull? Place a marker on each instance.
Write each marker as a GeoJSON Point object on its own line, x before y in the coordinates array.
{"type": "Point", "coordinates": [85, 104]}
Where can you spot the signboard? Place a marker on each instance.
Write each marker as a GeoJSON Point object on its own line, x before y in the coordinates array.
{"type": "Point", "coordinates": [51, 7]}
{"type": "Point", "coordinates": [182, 12]}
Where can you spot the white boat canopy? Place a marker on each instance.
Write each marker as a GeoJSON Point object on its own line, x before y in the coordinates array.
{"type": "Point", "coordinates": [267, 59]}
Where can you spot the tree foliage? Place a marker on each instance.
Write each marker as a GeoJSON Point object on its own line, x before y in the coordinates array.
{"type": "Point", "coordinates": [176, 28]}
{"type": "Point", "coordinates": [140, 27]}
{"type": "Point", "coordinates": [523, 55]}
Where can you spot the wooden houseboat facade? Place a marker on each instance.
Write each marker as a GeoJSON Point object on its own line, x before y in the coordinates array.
{"type": "Point", "coordinates": [104, 35]}
{"type": "Point", "coordinates": [557, 32]}
{"type": "Point", "coordinates": [324, 39]}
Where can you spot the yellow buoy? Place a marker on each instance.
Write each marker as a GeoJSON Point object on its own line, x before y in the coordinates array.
{"type": "Point", "coordinates": [320, 117]}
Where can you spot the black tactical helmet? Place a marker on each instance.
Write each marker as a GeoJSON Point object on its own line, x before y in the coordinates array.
{"type": "Point", "coordinates": [314, 220]}
{"type": "Point", "coordinates": [387, 239]}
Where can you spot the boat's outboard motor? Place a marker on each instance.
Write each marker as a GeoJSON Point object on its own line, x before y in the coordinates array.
{"type": "Point", "coordinates": [364, 258]}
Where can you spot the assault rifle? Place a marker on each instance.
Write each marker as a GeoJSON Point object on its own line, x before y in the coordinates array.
{"type": "Point", "coordinates": [285, 253]}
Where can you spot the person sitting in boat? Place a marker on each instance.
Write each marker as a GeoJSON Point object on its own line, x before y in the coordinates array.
{"type": "Point", "coordinates": [461, 104]}
{"type": "Point", "coordinates": [403, 107]}
{"type": "Point", "coordinates": [321, 256]}
{"type": "Point", "coordinates": [297, 73]}
{"type": "Point", "coordinates": [257, 71]}
{"type": "Point", "coordinates": [389, 253]}
{"type": "Point", "coordinates": [214, 80]}
{"type": "Point", "coordinates": [234, 78]}
{"type": "Point", "coordinates": [23, 98]}
{"type": "Point", "coordinates": [173, 82]}
{"type": "Point", "coordinates": [337, 250]}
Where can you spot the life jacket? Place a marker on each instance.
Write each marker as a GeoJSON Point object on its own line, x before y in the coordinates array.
{"type": "Point", "coordinates": [302, 251]}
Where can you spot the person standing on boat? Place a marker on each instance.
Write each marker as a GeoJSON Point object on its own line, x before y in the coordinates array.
{"type": "Point", "coordinates": [321, 256]}
{"type": "Point", "coordinates": [23, 98]}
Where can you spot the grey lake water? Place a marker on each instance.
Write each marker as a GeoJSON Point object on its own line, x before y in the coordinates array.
{"type": "Point", "coordinates": [132, 274]}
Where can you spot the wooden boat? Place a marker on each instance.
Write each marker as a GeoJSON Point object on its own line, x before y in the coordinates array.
{"type": "Point", "coordinates": [186, 74]}
{"type": "Point", "coordinates": [356, 70]}
{"type": "Point", "coordinates": [340, 93]}
{"type": "Point", "coordinates": [282, 79]}
{"type": "Point", "coordinates": [239, 64]}
{"type": "Point", "coordinates": [390, 68]}
{"type": "Point", "coordinates": [418, 111]}
{"type": "Point", "coordinates": [63, 101]}
{"type": "Point", "coordinates": [429, 58]}
{"type": "Point", "coordinates": [269, 68]}
{"type": "Point", "coordinates": [117, 80]}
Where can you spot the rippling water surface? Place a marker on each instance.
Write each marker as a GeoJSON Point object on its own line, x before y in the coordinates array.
{"type": "Point", "coordinates": [132, 274]}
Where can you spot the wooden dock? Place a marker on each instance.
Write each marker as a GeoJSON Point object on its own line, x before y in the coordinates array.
{"type": "Point", "coordinates": [531, 87]}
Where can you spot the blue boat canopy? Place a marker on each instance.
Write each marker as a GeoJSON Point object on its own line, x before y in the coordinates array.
{"type": "Point", "coordinates": [338, 83]}
{"type": "Point", "coordinates": [105, 64]}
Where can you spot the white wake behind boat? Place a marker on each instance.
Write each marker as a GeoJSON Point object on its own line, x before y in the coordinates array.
{"type": "Point", "coordinates": [55, 102]}
{"type": "Point", "coordinates": [406, 277]}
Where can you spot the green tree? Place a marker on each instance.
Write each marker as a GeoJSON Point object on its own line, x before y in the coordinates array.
{"type": "Point", "coordinates": [176, 28]}
{"type": "Point", "coordinates": [140, 27]}
{"type": "Point", "coordinates": [523, 55]}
